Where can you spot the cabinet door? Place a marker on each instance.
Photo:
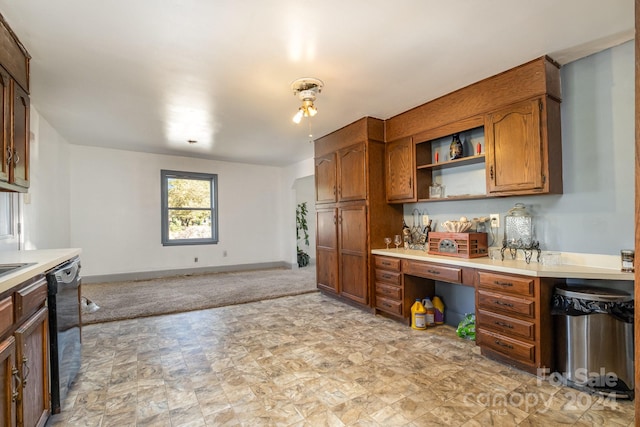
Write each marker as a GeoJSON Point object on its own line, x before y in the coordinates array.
{"type": "Point", "coordinates": [514, 148]}
{"type": "Point", "coordinates": [352, 173]}
{"type": "Point", "coordinates": [8, 382]}
{"type": "Point", "coordinates": [400, 171]}
{"type": "Point", "coordinates": [5, 102]}
{"type": "Point", "coordinates": [352, 222]}
{"type": "Point", "coordinates": [327, 249]}
{"type": "Point", "coordinates": [325, 171]}
{"type": "Point", "coordinates": [32, 350]}
{"type": "Point", "coordinates": [20, 157]}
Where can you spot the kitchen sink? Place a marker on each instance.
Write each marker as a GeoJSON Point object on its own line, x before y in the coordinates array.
{"type": "Point", "coordinates": [10, 268]}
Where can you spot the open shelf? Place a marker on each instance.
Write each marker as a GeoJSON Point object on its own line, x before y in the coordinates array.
{"type": "Point", "coordinates": [469, 160]}
{"type": "Point", "coordinates": [460, 197]}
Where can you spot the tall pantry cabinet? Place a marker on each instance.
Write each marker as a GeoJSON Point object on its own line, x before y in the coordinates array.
{"type": "Point", "coordinates": [351, 211]}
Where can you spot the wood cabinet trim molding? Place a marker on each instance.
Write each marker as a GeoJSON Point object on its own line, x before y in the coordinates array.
{"type": "Point", "coordinates": [535, 78]}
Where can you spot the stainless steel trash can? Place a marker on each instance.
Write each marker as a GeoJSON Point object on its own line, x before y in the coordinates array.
{"type": "Point", "coordinates": [594, 339]}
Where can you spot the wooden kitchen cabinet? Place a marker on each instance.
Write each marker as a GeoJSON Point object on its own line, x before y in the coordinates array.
{"type": "Point", "coordinates": [24, 351]}
{"type": "Point", "coordinates": [15, 105]}
{"type": "Point", "coordinates": [326, 178]}
{"type": "Point", "coordinates": [388, 286]}
{"type": "Point", "coordinates": [351, 213]}
{"type": "Point", "coordinates": [8, 382]}
{"type": "Point", "coordinates": [341, 176]}
{"type": "Point", "coordinates": [352, 173]}
{"type": "Point", "coordinates": [327, 249]}
{"type": "Point", "coordinates": [523, 152]}
{"type": "Point", "coordinates": [341, 249]}
{"type": "Point", "coordinates": [399, 167]}
{"type": "Point", "coordinates": [33, 366]}
{"type": "Point", "coordinates": [353, 253]}
{"type": "Point", "coordinates": [513, 319]}
{"type": "Point", "coordinates": [516, 112]}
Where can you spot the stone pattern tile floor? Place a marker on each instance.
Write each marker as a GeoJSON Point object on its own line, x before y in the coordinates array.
{"type": "Point", "coordinates": [307, 360]}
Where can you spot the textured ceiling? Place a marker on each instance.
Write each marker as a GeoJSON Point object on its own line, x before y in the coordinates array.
{"type": "Point", "coordinates": [148, 75]}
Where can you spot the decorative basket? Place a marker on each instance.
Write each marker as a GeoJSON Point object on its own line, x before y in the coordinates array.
{"type": "Point", "coordinates": [461, 245]}
{"type": "Point", "coordinates": [457, 226]}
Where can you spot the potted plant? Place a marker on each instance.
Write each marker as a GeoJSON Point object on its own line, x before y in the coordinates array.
{"type": "Point", "coordinates": [302, 233]}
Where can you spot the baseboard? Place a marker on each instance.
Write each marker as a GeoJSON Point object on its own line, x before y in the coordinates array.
{"type": "Point", "coordinates": [147, 275]}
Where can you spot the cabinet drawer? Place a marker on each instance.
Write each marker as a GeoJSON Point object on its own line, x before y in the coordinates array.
{"type": "Point", "coordinates": [388, 276]}
{"type": "Point", "coordinates": [513, 348]}
{"type": "Point", "coordinates": [504, 283]}
{"type": "Point", "coordinates": [386, 263]}
{"type": "Point", "coordinates": [6, 314]}
{"type": "Point", "coordinates": [506, 325]}
{"type": "Point", "coordinates": [506, 304]}
{"type": "Point", "coordinates": [389, 291]}
{"type": "Point", "coordinates": [390, 306]}
{"type": "Point", "coordinates": [432, 271]}
{"type": "Point", "coordinates": [29, 298]}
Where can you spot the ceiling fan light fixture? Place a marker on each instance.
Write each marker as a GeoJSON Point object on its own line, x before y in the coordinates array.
{"type": "Point", "coordinates": [306, 88]}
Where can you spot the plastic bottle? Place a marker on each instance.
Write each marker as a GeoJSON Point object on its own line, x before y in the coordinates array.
{"type": "Point", "coordinates": [418, 315]}
{"type": "Point", "coordinates": [438, 305]}
{"type": "Point", "coordinates": [430, 312]}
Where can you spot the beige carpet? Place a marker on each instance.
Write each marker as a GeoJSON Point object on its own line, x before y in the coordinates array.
{"type": "Point", "coordinates": [128, 300]}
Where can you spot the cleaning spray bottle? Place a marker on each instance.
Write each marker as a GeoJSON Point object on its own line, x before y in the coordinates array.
{"type": "Point", "coordinates": [418, 315]}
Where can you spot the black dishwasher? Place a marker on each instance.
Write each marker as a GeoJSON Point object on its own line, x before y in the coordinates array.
{"type": "Point", "coordinates": [64, 328]}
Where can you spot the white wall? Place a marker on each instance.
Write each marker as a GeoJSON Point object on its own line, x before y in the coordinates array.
{"type": "Point", "coordinates": [115, 212]}
{"type": "Point", "coordinates": [596, 212]}
{"type": "Point", "coordinates": [46, 209]}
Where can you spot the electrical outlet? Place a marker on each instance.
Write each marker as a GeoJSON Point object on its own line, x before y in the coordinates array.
{"type": "Point", "coordinates": [195, 259]}
{"type": "Point", "coordinates": [495, 220]}
{"type": "Point", "coordinates": [224, 253]}
{"type": "Point", "coordinates": [425, 219]}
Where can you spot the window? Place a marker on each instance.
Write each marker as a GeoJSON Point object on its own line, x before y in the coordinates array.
{"type": "Point", "coordinates": [189, 208]}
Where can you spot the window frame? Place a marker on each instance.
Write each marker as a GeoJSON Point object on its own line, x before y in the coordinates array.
{"type": "Point", "coordinates": [164, 187]}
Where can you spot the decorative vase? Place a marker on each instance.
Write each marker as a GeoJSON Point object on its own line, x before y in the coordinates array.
{"type": "Point", "coordinates": [455, 149]}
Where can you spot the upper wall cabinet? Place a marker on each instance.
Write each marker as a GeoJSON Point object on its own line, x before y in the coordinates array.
{"type": "Point", "coordinates": [341, 176]}
{"type": "Point", "coordinates": [14, 85]}
{"type": "Point", "coordinates": [524, 154]}
{"type": "Point", "coordinates": [510, 128]}
{"type": "Point", "coordinates": [399, 164]}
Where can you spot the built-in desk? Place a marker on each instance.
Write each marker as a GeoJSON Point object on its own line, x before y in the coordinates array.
{"type": "Point", "coordinates": [512, 298]}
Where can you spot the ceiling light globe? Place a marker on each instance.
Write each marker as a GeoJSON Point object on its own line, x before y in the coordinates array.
{"type": "Point", "coordinates": [298, 116]}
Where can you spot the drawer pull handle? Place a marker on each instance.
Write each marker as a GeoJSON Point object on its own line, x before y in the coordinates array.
{"type": "Point", "coordinates": [505, 325]}
{"type": "Point", "coordinates": [501, 344]}
{"type": "Point", "coordinates": [386, 276]}
{"type": "Point", "coordinates": [505, 304]}
{"type": "Point", "coordinates": [499, 283]}
{"type": "Point", "coordinates": [385, 263]}
{"type": "Point", "coordinates": [433, 271]}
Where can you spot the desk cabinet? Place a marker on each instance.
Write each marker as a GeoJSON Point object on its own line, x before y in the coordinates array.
{"type": "Point", "coordinates": [388, 286]}
{"type": "Point", "coordinates": [512, 319]}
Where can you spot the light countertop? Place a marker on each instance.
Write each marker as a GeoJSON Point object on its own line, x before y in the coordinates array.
{"type": "Point", "coordinates": [573, 266]}
{"type": "Point", "coordinates": [40, 262]}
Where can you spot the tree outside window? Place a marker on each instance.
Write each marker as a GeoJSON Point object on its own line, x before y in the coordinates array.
{"type": "Point", "coordinates": [189, 212]}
